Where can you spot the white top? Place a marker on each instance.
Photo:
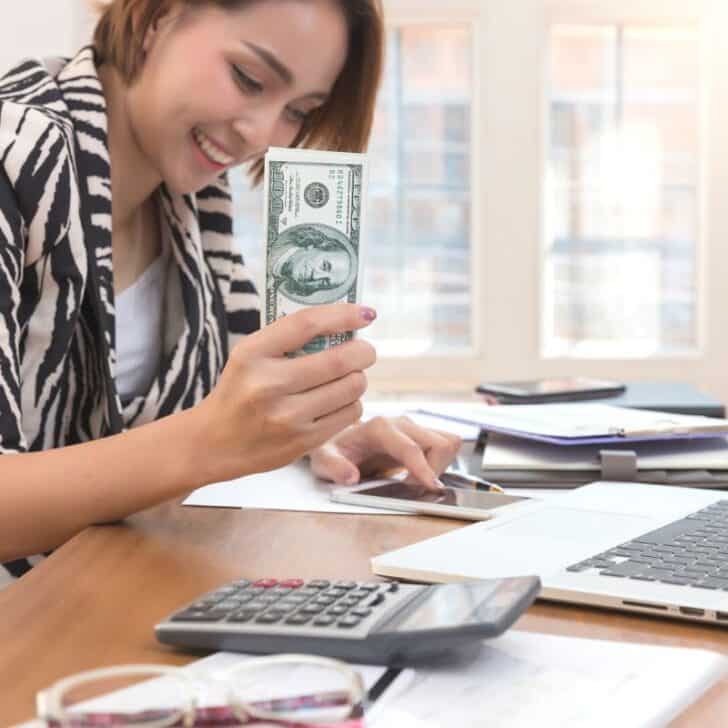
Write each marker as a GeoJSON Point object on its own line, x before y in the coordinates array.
{"type": "Point", "coordinates": [139, 316]}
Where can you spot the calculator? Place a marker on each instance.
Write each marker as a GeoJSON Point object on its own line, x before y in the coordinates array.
{"type": "Point", "coordinates": [383, 623]}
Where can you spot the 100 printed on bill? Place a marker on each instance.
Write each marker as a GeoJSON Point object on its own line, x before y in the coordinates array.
{"type": "Point", "coordinates": [315, 206]}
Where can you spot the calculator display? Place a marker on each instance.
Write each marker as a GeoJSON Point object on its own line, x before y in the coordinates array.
{"type": "Point", "coordinates": [453, 605]}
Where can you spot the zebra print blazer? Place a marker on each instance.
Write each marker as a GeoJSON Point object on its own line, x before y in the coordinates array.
{"type": "Point", "coordinates": [57, 327]}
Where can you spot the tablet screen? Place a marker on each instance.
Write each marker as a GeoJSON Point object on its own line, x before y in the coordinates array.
{"type": "Point", "coordinates": [461, 497]}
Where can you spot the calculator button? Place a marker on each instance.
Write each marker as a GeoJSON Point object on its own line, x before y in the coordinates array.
{"type": "Point", "coordinates": [393, 587]}
{"type": "Point", "coordinates": [253, 591]}
{"type": "Point", "coordinates": [337, 611]}
{"type": "Point", "coordinates": [266, 583]}
{"type": "Point", "coordinates": [244, 615]}
{"type": "Point", "coordinates": [296, 598]}
{"type": "Point", "coordinates": [219, 596]}
{"type": "Point", "coordinates": [298, 619]}
{"type": "Point", "coordinates": [281, 590]}
{"type": "Point", "coordinates": [345, 585]}
{"type": "Point", "coordinates": [326, 601]}
{"type": "Point", "coordinates": [319, 584]}
{"type": "Point", "coordinates": [348, 622]}
{"type": "Point", "coordinates": [359, 612]}
{"type": "Point", "coordinates": [269, 618]}
{"type": "Point", "coordinates": [371, 586]}
{"type": "Point", "coordinates": [358, 594]}
{"type": "Point", "coordinates": [257, 605]}
{"type": "Point", "coordinates": [293, 583]}
{"type": "Point", "coordinates": [285, 606]}
{"type": "Point", "coordinates": [324, 620]}
{"type": "Point", "coordinates": [202, 606]}
{"type": "Point", "coordinates": [334, 592]}
{"type": "Point", "coordinates": [242, 583]}
{"type": "Point", "coordinates": [229, 604]}
{"type": "Point", "coordinates": [190, 615]}
{"type": "Point", "coordinates": [311, 609]}
{"type": "Point", "coordinates": [308, 592]}
{"type": "Point", "coordinates": [349, 602]}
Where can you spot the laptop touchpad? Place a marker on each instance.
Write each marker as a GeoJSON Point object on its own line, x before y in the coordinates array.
{"type": "Point", "coordinates": [555, 536]}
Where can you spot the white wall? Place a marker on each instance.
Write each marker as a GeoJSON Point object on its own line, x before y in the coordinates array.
{"type": "Point", "coordinates": [41, 28]}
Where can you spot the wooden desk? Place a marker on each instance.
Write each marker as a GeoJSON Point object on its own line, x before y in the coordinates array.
{"type": "Point", "coordinates": [95, 601]}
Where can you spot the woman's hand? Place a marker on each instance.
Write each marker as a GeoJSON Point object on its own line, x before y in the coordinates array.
{"type": "Point", "coordinates": [268, 410]}
{"type": "Point", "coordinates": [381, 444]}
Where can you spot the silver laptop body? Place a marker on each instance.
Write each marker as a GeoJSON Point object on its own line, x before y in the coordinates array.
{"type": "Point", "coordinates": [556, 539]}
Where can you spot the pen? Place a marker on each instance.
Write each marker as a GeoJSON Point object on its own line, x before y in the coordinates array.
{"type": "Point", "coordinates": [462, 480]}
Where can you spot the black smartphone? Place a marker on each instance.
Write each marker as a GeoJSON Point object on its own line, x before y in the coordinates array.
{"type": "Point", "coordinates": [556, 389]}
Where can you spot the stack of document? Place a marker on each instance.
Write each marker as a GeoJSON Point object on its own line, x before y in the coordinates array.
{"type": "Point", "coordinates": [701, 463]}
{"type": "Point", "coordinates": [571, 444]}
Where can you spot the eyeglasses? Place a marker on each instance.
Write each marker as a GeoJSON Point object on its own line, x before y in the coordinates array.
{"type": "Point", "coordinates": [291, 691]}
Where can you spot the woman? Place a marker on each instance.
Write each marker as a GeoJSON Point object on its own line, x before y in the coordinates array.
{"type": "Point", "coordinates": [124, 385]}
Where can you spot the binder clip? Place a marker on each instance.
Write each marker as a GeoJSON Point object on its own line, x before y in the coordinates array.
{"type": "Point", "coordinates": [619, 465]}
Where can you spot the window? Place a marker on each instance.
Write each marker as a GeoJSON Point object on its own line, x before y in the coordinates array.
{"type": "Point", "coordinates": [417, 266]}
{"type": "Point", "coordinates": [622, 191]}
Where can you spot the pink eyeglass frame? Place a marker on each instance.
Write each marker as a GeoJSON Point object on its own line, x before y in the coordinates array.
{"type": "Point", "coordinates": [50, 708]}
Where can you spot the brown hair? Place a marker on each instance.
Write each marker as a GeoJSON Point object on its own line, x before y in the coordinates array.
{"type": "Point", "coordinates": [343, 124]}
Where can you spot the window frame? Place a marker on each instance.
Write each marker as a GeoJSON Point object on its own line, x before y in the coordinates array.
{"type": "Point", "coordinates": [468, 13]}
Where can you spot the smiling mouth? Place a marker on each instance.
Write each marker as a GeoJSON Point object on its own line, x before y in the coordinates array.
{"type": "Point", "coordinates": [211, 150]}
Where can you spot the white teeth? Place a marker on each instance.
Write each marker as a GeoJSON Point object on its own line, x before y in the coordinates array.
{"type": "Point", "coordinates": [214, 153]}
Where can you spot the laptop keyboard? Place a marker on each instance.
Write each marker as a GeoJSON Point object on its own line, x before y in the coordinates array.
{"type": "Point", "coordinates": [690, 552]}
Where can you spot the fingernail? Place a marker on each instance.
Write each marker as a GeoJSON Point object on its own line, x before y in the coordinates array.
{"type": "Point", "coordinates": [351, 479]}
{"type": "Point", "coordinates": [439, 484]}
{"type": "Point", "coordinates": [368, 314]}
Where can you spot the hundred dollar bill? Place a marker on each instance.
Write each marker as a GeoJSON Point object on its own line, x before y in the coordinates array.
{"type": "Point", "coordinates": [314, 244]}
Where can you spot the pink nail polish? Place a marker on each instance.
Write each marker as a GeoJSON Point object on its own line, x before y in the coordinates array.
{"type": "Point", "coordinates": [368, 314]}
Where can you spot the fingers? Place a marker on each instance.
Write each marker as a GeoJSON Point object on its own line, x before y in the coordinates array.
{"type": "Point", "coordinates": [328, 463]}
{"type": "Point", "coordinates": [330, 425]}
{"type": "Point", "coordinates": [290, 333]}
{"type": "Point", "coordinates": [328, 398]}
{"type": "Point", "coordinates": [440, 448]}
{"type": "Point", "coordinates": [308, 372]}
{"type": "Point", "coordinates": [404, 449]}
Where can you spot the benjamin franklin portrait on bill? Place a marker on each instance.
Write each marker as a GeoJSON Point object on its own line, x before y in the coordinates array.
{"type": "Point", "coordinates": [313, 264]}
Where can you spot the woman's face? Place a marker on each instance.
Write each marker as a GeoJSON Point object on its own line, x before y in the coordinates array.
{"type": "Point", "coordinates": [218, 87]}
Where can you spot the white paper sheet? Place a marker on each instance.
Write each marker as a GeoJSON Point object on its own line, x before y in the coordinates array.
{"type": "Point", "coordinates": [522, 680]}
{"type": "Point", "coordinates": [465, 431]}
{"type": "Point", "coordinates": [292, 488]}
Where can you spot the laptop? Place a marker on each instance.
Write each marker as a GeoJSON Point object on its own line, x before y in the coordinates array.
{"type": "Point", "coordinates": [650, 549]}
